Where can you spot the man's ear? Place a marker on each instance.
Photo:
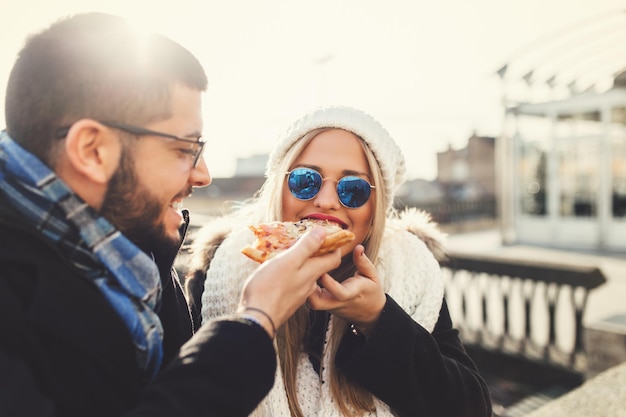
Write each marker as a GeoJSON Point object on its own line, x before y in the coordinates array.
{"type": "Point", "coordinates": [92, 150]}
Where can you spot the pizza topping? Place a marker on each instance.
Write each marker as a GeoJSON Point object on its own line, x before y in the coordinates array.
{"type": "Point", "coordinates": [277, 236]}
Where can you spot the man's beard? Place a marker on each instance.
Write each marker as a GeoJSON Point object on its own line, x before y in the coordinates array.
{"type": "Point", "coordinates": [134, 211]}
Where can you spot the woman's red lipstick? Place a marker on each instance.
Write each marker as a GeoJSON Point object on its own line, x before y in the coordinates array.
{"type": "Point", "coordinates": [319, 216]}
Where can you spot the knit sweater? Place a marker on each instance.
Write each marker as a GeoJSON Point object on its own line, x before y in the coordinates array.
{"type": "Point", "coordinates": [407, 265]}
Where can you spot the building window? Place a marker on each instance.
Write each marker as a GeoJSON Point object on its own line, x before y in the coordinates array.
{"type": "Point", "coordinates": [533, 190]}
{"type": "Point", "coordinates": [534, 134]}
{"type": "Point", "coordinates": [578, 124]}
{"type": "Point", "coordinates": [618, 162]}
{"type": "Point", "coordinates": [578, 178]}
{"type": "Point", "coordinates": [618, 116]}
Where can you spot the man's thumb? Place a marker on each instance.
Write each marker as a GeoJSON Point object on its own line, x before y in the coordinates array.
{"type": "Point", "coordinates": [311, 241]}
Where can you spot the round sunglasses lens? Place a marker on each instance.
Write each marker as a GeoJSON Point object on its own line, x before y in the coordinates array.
{"type": "Point", "coordinates": [304, 183]}
{"type": "Point", "coordinates": [353, 191]}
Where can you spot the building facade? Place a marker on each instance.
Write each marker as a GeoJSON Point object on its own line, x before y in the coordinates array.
{"type": "Point", "coordinates": [563, 166]}
{"type": "Point", "coordinates": [468, 173]}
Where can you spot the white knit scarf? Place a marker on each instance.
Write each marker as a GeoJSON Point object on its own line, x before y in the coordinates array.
{"type": "Point", "coordinates": [410, 275]}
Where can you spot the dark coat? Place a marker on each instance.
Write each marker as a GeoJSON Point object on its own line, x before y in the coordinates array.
{"type": "Point", "coordinates": [65, 352]}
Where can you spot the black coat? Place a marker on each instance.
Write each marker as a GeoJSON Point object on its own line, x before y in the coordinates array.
{"type": "Point", "coordinates": [415, 372]}
{"type": "Point", "coordinates": [65, 352]}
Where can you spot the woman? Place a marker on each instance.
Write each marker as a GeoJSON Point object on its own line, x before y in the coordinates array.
{"type": "Point", "coordinates": [376, 339]}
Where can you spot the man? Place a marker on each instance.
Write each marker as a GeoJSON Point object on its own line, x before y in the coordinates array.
{"type": "Point", "coordinates": [101, 146]}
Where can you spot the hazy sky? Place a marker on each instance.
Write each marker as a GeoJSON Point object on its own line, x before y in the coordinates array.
{"type": "Point", "coordinates": [425, 70]}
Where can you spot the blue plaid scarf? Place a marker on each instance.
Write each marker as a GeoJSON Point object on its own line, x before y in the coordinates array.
{"type": "Point", "coordinates": [126, 276]}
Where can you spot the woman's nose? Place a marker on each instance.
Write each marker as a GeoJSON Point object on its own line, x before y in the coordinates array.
{"type": "Point", "coordinates": [327, 197]}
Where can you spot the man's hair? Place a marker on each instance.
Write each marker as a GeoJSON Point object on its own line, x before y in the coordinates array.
{"type": "Point", "coordinates": [94, 66]}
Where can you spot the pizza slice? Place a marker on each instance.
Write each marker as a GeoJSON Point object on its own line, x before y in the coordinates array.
{"type": "Point", "coordinates": [274, 237]}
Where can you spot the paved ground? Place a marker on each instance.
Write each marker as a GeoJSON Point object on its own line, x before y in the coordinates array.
{"type": "Point", "coordinates": [603, 396]}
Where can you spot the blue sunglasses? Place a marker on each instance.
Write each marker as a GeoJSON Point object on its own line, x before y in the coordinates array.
{"type": "Point", "coordinates": [305, 183]}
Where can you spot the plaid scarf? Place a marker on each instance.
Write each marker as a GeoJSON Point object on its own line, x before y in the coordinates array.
{"type": "Point", "coordinates": [126, 276]}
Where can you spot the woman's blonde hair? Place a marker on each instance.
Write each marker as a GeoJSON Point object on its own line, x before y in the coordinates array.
{"type": "Point", "coordinates": [351, 398]}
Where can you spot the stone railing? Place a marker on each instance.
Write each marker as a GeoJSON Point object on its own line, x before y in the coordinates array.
{"type": "Point", "coordinates": [522, 323]}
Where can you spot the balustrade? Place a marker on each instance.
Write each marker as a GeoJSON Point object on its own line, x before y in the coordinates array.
{"type": "Point", "coordinates": [521, 320]}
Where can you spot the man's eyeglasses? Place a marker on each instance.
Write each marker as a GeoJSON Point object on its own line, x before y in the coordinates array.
{"type": "Point", "coordinates": [197, 145]}
{"type": "Point", "coordinates": [305, 183]}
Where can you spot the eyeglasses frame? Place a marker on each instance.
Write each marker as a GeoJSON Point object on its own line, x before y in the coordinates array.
{"type": "Point", "coordinates": [141, 131]}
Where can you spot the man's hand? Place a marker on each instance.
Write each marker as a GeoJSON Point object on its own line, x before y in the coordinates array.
{"type": "Point", "coordinates": [282, 284]}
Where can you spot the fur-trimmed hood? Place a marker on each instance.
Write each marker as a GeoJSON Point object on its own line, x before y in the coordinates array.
{"type": "Point", "coordinates": [421, 224]}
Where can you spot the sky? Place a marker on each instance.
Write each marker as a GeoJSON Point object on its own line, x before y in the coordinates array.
{"type": "Point", "coordinates": [425, 70]}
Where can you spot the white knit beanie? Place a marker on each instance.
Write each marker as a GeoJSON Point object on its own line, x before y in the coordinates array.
{"type": "Point", "coordinates": [387, 153]}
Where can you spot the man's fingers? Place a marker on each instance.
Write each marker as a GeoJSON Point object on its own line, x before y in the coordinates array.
{"type": "Point", "coordinates": [304, 249]}
{"type": "Point", "coordinates": [310, 242]}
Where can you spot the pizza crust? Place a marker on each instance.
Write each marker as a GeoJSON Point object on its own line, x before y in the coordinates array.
{"type": "Point", "coordinates": [275, 237]}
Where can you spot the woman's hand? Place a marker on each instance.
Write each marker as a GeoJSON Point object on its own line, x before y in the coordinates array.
{"type": "Point", "coordinates": [358, 300]}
